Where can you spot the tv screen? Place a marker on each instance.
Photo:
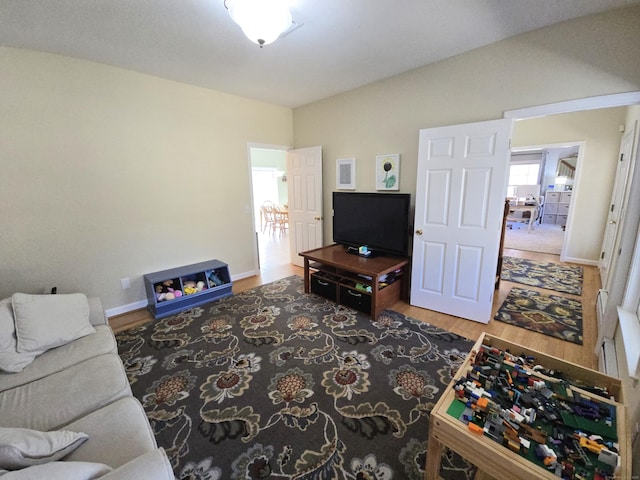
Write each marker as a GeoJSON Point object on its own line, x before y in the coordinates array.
{"type": "Point", "coordinates": [378, 220]}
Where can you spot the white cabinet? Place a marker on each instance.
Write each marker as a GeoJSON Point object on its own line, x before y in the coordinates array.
{"type": "Point", "coordinates": [556, 207]}
{"type": "Point", "coordinates": [563, 208]}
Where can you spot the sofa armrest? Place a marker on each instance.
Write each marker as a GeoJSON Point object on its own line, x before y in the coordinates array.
{"type": "Point", "coordinates": [96, 312]}
{"type": "Point", "coordinates": [153, 465]}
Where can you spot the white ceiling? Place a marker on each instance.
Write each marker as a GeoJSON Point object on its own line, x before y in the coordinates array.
{"type": "Point", "coordinates": [342, 44]}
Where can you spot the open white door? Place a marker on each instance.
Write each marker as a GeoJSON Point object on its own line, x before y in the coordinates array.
{"type": "Point", "coordinates": [617, 207]}
{"type": "Point", "coordinates": [304, 171]}
{"type": "Point", "coordinates": [460, 192]}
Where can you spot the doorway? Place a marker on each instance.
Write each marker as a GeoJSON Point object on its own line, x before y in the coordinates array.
{"type": "Point", "coordinates": [554, 182]}
{"type": "Point", "coordinates": [269, 185]}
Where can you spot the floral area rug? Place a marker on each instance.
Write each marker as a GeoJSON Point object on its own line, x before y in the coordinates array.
{"type": "Point", "coordinates": [551, 315]}
{"type": "Point", "coordinates": [274, 383]}
{"type": "Point", "coordinates": [547, 275]}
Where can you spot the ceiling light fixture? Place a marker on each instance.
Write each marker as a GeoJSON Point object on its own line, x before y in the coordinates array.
{"type": "Point", "coordinates": [262, 21]}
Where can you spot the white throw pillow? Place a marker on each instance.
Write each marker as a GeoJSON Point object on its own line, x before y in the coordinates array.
{"type": "Point", "coordinates": [10, 359]}
{"type": "Point", "coordinates": [60, 471]}
{"type": "Point", "coordinates": [21, 447]}
{"type": "Point", "coordinates": [14, 362]}
{"type": "Point", "coordinates": [49, 321]}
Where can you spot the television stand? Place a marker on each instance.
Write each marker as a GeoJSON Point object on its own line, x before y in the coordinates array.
{"type": "Point", "coordinates": [368, 284]}
{"type": "Point", "coordinates": [356, 251]}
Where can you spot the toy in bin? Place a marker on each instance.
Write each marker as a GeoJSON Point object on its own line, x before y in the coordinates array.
{"type": "Point", "coordinates": [165, 291]}
{"type": "Point", "coordinates": [214, 280]}
{"type": "Point", "coordinates": [190, 287]}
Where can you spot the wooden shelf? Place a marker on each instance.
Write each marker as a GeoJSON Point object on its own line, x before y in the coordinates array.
{"type": "Point", "coordinates": [368, 284]}
{"type": "Point", "coordinates": [188, 286]}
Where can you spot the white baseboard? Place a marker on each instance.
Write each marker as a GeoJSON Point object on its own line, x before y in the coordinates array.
{"type": "Point", "coordinates": [240, 276]}
{"type": "Point", "coordinates": [582, 261]}
{"type": "Point", "coordinates": [112, 312]}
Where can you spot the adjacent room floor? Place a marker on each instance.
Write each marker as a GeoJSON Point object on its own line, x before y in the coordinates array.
{"type": "Point", "coordinates": [543, 238]}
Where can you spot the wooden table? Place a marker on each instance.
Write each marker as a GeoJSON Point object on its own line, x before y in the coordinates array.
{"type": "Point", "coordinates": [492, 458]}
{"type": "Point", "coordinates": [348, 268]}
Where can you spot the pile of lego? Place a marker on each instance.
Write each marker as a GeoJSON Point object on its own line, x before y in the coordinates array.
{"type": "Point", "coordinates": [527, 409]}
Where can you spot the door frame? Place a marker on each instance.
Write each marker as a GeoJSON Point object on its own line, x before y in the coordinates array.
{"type": "Point", "coordinates": [250, 208]}
{"type": "Point", "coordinates": [576, 181]}
{"type": "Point", "coordinates": [571, 106]}
{"type": "Point", "coordinates": [615, 295]}
{"type": "Point", "coordinates": [621, 186]}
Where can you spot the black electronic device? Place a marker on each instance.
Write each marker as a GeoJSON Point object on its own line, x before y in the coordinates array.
{"type": "Point", "coordinates": [379, 221]}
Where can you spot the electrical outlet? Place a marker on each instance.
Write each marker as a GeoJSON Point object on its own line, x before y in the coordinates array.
{"type": "Point", "coordinates": [125, 282]}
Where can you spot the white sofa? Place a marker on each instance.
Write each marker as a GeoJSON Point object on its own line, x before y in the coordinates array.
{"type": "Point", "coordinates": [80, 387]}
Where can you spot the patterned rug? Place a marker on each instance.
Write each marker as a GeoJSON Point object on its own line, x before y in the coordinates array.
{"type": "Point", "coordinates": [547, 275]}
{"type": "Point", "coordinates": [548, 314]}
{"type": "Point", "coordinates": [274, 383]}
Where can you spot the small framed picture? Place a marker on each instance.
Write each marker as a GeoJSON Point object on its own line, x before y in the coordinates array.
{"type": "Point", "coordinates": [388, 172]}
{"type": "Point", "coordinates": [346, 174]}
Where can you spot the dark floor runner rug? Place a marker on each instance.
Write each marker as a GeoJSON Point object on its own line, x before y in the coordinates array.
{"type": "Point", "coordinates": [551, 315]}
{"type": "Point", "coordinates": [548, 275]}
{"type": "Point", "coordinates": [274, 383]}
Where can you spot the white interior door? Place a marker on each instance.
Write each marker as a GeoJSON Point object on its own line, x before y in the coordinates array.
{"type": "Point", "coordinates": [460, 192]}
{"type": "Point", "coordinates": [304, 171]}
{"type": "Point", "coordinates": [616, 208]}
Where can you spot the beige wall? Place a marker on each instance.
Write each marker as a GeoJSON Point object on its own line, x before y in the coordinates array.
{"type": "Point", "coordinates": [107, 174]}
{"type": "Point", "coordinates": [577, 59]}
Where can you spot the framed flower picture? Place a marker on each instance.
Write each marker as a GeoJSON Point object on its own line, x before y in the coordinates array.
{"type": "Point", "coordinates": [388, 172]}
{"type": "Point", "coordinates": [346, 174]}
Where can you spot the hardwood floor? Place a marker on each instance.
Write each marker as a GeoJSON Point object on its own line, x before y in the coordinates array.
{"type": "Point", "coordinates": [580, 354]}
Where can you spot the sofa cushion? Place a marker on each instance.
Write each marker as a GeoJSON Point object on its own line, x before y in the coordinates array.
{"type": "Point", "coordinates": [7, 326]}
{"type": "Point", "coordinates": [152, 465]}
{"type": "Point", "coordinates": [62, 397]}
{"type": "Point", "coordinates": [97, 314]}
{"type": "Point", "coordinates": [60, 471]}
{"type": "Point", "coordinates": [60, 358]}
{"type": "Point", "coordinates": [48, 321]}
{"type": "Point", "coordinates": [10, 359]}
{"type": "Point", "coordinates": [21, 447]}
{"type": "Point", "coordinates": [107, 427]}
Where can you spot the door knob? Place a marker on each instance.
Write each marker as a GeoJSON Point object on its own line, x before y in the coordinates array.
{"type": "Point", "coordinates": [317, 218]}
{"type": "Point", "coordinates": [419, 231]}
{"type": "Point", "coordinates": [612, 222]}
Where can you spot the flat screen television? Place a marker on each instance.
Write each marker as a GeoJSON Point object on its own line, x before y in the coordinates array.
{"type": "Point", "coordinates": [378, 220]}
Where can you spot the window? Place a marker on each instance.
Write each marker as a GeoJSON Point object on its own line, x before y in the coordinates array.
{"type": "Point", "coordinates": [524, 173]}
{"type": "Point", "coordinates": [524, 170]}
